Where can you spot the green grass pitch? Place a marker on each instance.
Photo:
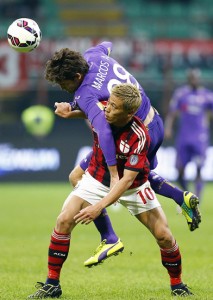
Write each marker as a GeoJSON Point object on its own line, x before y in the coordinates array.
{"type": "Point", "coordinates": [28, 214]}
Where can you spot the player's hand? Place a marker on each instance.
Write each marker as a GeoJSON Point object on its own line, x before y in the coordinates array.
{"type": "Point", "coordinates": [88, 214]}
{"type": "Point", "coordinates": [63, 109]}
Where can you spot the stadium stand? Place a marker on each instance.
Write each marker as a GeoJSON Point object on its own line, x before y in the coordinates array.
{"type": "Point", "coordinates": [136, 27]}
{"type": "Point", "coordinates": [91, 18]}
{"type": "Point", "coordinates": [152, 19]}
{"type": "Point", "coordinates": [169, 19]}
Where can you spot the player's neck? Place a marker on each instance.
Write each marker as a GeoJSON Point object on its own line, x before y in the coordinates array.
{"type": "Point", "coordinates": [121, 124]}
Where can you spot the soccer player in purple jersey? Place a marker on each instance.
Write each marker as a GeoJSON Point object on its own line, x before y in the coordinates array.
{"type": "Point", "coordinates": [133, 190]}
{"type": "Point", "coordinates": [91, 78]}
{"type": "Point", "coordinates": [191, 103]}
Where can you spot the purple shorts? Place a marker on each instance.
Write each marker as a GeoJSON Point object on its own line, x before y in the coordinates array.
{"type": "Point", "coordinates": [156, 133]}
{"type": "Point", "coordinates": [187, 152]}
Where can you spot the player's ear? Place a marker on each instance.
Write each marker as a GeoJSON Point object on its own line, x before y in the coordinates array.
{"type": "Point", "coordinates": [130, 114]}
{"type": "Point", "coordinates": [78, 76]}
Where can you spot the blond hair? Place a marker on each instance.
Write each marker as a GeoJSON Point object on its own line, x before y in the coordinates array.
{"type": "Point", "coordinates": [129, 94]}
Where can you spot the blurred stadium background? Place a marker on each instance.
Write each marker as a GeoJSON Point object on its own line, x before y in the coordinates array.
{"type": "Point", "coordinates": [155, 40]}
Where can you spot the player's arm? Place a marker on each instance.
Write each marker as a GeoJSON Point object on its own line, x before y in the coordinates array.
{"type": "Point", "coordinates": [90, 213]}
{"type": "Point", "coordinates": [131, 170]}
{"type": "Point", "coordinates": [169, 123]}
{"type": "Point", "coordinates": [65, 110]}
{"type": "Point", "coordinates": [174, 107]}
{"type": "Point", "coordinates": [104, 47]}
{"type": "Point", "coordinates": [107, 47]}
{"type": "Point", "coordinates": [107, 144]}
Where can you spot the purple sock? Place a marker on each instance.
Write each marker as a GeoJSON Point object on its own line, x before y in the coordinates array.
{"type": "Point", "coordinates": [104, 226]}
{"type": "Point", "coordinates": [162, 187]}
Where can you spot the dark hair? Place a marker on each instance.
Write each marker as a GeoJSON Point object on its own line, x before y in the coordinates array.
{"type": "Point", "coordinates": [64, 65]}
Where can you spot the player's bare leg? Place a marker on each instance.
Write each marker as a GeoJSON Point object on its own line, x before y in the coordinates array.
{"type": "Point", "coordinates": [155, 221]}
{"type": "Point", "coordinates": [110, 243]}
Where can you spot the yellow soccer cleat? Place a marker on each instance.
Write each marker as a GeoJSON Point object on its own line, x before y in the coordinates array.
{"type": "Point", "coordinates": [191, 211]}
{"type": "Point", "coordinates": [103, 252]}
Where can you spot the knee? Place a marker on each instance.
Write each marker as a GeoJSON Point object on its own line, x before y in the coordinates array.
{"type": "Point", "coordinates": [152, 175]}
{"type": "Point", "coordinates": [155, 179]}
{"type": "Point", "coordinates": [64, 223]}
{"type": "Point", "coordinates": [165, 239]}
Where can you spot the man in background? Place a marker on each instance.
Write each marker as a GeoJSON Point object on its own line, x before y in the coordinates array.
{"type": "Point", "coordinates": [191, 104]}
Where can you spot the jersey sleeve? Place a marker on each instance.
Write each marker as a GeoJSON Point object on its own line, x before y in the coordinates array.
{"type": "Point", "coordinates": [105, 137]}
{"type": "Point", "coordinates": [94, 111]}
{"type": "Point", "coordinates": [137, 162]}
{"type": "Point", "coordinates": [137, 158]}
{"type": "Point", "coordinates": [104, 47]}
{"type": "Point", "coordinates": [74, 105]}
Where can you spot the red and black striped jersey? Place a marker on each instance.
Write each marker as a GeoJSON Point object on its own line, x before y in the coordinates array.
{"type": "Point", "coordinates": [132, 143]}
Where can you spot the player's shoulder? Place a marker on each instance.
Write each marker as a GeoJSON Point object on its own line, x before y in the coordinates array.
{"type": "Point", "coordinates": [180, 93]}
{"type": "Point", "coordinates": [138, 127]}
{"type": "Point", "coordinates": [205, 90]}
{"type": "Point", "coordinates": [137, 120]}
{"type": "Point", "coordinates": [181, 90]}
{"type": "Point", "coordinates": [104, 47]}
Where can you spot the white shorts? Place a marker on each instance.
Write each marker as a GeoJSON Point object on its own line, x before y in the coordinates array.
{"type": "Point", "coordinates": [136, 200]}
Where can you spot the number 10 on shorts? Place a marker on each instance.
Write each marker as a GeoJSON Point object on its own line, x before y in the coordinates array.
{"type": "Point", "coordinates": [146, 194]}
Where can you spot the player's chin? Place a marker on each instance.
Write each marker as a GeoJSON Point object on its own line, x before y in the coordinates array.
{"type": "Point", "coordinates": [108, 119]}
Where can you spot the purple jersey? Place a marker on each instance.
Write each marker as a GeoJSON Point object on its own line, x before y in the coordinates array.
{"type": "Point", "coordinates": [192, 106]}
{"type": "Point", "coordinates": [104, 72]}
{"type": "Point", "coordinates": [193, 131]}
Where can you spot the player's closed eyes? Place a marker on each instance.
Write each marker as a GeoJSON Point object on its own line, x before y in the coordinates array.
{"type": "Point", "coordinates": [111, 105]}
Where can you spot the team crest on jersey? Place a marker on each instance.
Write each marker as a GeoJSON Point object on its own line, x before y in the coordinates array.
{"type": "Point", "coordinates": [124, 147]}
{"type": "Point", "coordinates": [133, 159]}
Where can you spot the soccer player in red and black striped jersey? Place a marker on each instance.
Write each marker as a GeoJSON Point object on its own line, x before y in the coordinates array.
{"type": "Point", "coordinates": [133, 191]}
{"type": "Point", "coordinates": [132, 143]}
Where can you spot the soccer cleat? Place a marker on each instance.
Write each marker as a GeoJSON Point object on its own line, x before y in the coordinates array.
{"type": "Point", "coordinates": [46, 291]}
{"type": "Point", "coordinates": [181, 290]}
{"type": "Point", "coordinates": [104, 251]}
{"type": "Point", "coordinates": [190, 210]}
